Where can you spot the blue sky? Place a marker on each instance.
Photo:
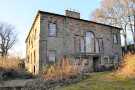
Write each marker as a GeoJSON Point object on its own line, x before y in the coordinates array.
{"type": "Point", "coordinates": [21, 13]}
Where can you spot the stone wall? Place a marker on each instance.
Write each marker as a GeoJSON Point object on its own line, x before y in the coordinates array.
{"type": "Point", "coordinates": [32, 47]}
{"type": "Point", "coordinates": [63, 43]}
{"type": "Point", "coordinates": [39, 84]}
{"type": "Point", "coordinates": [67, 28]}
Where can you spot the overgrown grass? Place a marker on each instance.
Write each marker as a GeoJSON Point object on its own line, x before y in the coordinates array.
{"type": "Point", "coordinates": [122, 79]}
{"type": "Point", "coordinates": [102, 81]}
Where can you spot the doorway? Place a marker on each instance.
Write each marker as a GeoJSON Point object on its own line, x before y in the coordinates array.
{"type": "Point", "coordinates": [34, 69]}
{"type": "Point", "coordinates": [96, 64]}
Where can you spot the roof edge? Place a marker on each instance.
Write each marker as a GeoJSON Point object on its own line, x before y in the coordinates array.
{"type": "Point", "coordinates": [38, 12]}
{"type": "Point", "coordinates": [44, 12]}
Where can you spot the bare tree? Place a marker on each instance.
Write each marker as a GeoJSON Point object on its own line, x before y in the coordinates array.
{"type": "Point", "coordinates": [117, 13]}
{"type": "Point", "coordinates": [130, 7]}
{"type": "Point", "coordinates": [7, 38]}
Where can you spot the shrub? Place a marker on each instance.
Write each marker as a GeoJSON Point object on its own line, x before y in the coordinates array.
{"type": "Point", "coordinates": [11, 68]}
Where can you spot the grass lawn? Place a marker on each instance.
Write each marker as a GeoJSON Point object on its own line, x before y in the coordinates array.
{"type": "Point", "coordinates": [101, 81]}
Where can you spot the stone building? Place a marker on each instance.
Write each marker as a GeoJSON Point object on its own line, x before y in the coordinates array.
{"type": "Point", "coordinates": [53, 35]}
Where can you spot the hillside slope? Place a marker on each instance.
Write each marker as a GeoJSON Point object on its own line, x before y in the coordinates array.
{"type": "Point", "coordinates": [100, 81]}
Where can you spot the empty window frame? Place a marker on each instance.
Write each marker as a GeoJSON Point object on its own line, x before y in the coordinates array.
{"type": "Point", "coordinates": [106, 59]}
{"type": "Point", "coordinates": [101, 45]}
{"type": "Point", "coordinates": [52, 29]}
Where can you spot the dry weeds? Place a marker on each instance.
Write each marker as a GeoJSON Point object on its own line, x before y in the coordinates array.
{"type": "Point", "coordinates": [10, 63]}
{"type": "Point", "coordinates": [128, 67]}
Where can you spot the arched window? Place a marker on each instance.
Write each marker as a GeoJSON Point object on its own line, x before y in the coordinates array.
{"type": "Point", "coordinates": [89, 42]}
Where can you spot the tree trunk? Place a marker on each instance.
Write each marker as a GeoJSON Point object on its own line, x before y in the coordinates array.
{"type": "Point", "coordinates": [125, 41]}
{"type": "Point", "coordinates": [125, 37]}
{"type": "Point", "coordinates": [132, 30]}
{"type": "Point", "coordinates": [134, 33]}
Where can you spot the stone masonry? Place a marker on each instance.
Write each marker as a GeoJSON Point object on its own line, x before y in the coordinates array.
{"type": "Point", "coordinates": [70, 29]}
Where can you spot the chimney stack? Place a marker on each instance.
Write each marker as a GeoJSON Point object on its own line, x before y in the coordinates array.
{"type": "Point", "coordinates": [73, 14]}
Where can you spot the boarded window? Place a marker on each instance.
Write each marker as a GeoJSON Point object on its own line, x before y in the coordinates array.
{"type": "Point", "coordinates": [52, 56]}
{"type": "Point", "coordinates": [52, 29]}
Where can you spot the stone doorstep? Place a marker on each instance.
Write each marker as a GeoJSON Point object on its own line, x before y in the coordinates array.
{"type": "Point", "coordinates": [14, 83]}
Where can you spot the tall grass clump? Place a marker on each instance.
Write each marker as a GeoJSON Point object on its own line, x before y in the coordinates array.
{"type": "Point", "coordinates": [127, 68]}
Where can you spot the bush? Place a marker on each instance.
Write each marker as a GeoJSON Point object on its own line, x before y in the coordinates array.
{"type": "Point", "coordinates": [8, 74]}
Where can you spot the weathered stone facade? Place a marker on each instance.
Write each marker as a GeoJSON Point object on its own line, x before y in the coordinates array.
{"type": "Point", "coordinates": [69, 32]}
